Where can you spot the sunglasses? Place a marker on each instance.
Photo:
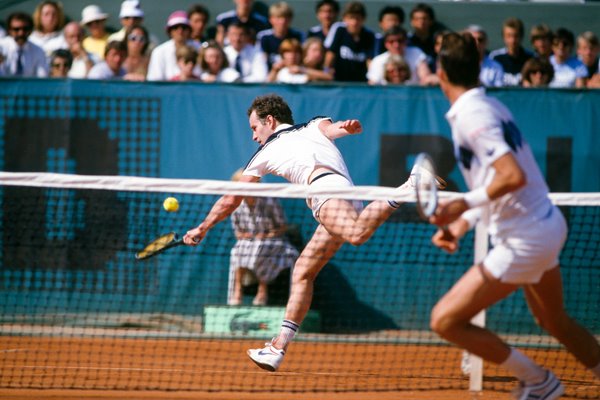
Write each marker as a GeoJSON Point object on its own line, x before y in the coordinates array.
{"type": "Point", "coordinates": [137, 38]}
{"type": "Point", "coordinates": [180, 26]}
{"type": "Point", "coordinates": [60, 65]}
{"type": "Point", "coordinates": [20, 28]}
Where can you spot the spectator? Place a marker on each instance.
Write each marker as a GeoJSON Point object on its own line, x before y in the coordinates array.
{"type": "Point", "coordinates": [130, 15]}
{"type": "Point", "coordinates": [163, 63]}
{"type": "Point", "coordinates": [512, 56]}
{"type": "Point", "coordinates": [18, 56]}
{"type": "Point", "coordinates": [60, 63]}
{"type": "Point", "coordinates": [537, 72]}
{"type": "Point", "coordinates": [313, 59]}
{"type": "Point", "coordinates": [214, 64]}
{"type": "Point", "coordinates": [83, 61]}
{"type": "Point", "coordinates": [350, 45]}
{"type": "Point", "coordinates": [327, 13]}
{"type": "Point", "coordinates": [199, 17]}
{"type": "Point", "coordinates": [112, 66]}
{"type": "Point", "coordinates": [262, 248]}
{"type": "Point", "coordinates": [541, 41]}
{"type": "Point", "coordinates": [280, 18]}
{"type": "Point", "coordinates": [389, 16]}
{"type": "Point", "coordinates": [289, 69]}
{"type": "Point", "coordinates": [491, 73]}
{"type": "Point", "coordinates": [396, 71]}
{"type": "Point", "coordinates": [2, 32]}
{"type": "Point", "coordinates": [242, 14]}
{"type": "Point", "coordinates": [94, 20]}
{"type": "Point", "coordinates": [588, 48]}
{"type": "Point", "coordinates": [48, 20]}
{"type": "Point", "coordinates": [186, 60]}
{"type": "Point", "coordinates": [569, 71]}
{"type": "Point", "coordinates": [246, 58]}
{"type": "Point", "coordinates": [395, 41]}
{"type": "Point", "coordinates": [138, 59]}
{"type": "Point", "coordinates": [422, 23]}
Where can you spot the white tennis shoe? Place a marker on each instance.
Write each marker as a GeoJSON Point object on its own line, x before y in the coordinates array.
{"type": "Point", "coordinates": [549, 389]}
{"type": "Point", "coordinates": [268, 357]}
{"type": "Point", "coordinates": [408, 187]}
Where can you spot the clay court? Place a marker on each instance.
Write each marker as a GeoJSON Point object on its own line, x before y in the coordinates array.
{"type": "Point", "coordinates": [113, 368]}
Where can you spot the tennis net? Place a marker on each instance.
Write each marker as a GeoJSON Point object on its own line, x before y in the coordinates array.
{"type": "Point", "coordinates": [78, 311]}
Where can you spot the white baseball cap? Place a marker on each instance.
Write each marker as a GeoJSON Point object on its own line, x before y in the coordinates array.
{"type": "Point", "coordinates": [92, 13]}
{"type": "Point", "coordinates": [132, 9]}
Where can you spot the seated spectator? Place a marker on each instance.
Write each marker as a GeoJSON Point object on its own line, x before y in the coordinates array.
{"type": "Point", "coordinates": [313, 59]}
{"type": "Point", "coordinates": [112, 66]}
{"type": "Point", "coordinates": [186, 60]}
{"type": "Point", "coordinates": [588, 48]}
{"type": "Point", "coordinates": [491, 73]}
{"type": "Point", "coordinates": [389, 16]}
{"type": "Point", "coordinates": [512, 56]}
{"type": "Point", "coordinates": [262, 249]}
{"type": "Point", "coordinates": [395, 42]}
{"type": "Point", "coordinates": [244, 57]}
{"type": "Point", "coordinates": [214, 64]}
{"type": "Point", "coordinates": [130, 15]}
{"type": "Point", "coordinates": [396, 71]}
{"type": "Point", "coordinates": [83, 61]}
{"type": "Point", "coordinates": [48, 20]}
{"type": "Point", "coordinates": [94, 19]}
{"type": "Point", "coordinates": [163, 63]}
{"type": "Point", "coordinates": [569, 71]}
{"type": "Point", "coordinates": [327, 13]}
{"type": "Point", "coordinates": [280, 18]}
{"type": "Point", "coordinates": [138, 59]}
{"type": "Point", "coordinates": [423, 28]}
{"type": "Point", "coordinates": [537, 72]}
{"type": "Point", "coordinates": [199, 17]}
{"type": "Point", "coordinates": [289, 69]}
{"type": "Point", "coordinates": [350, 45]}
{"type": "Point", "coordinates": [243, 15]}
{"type": "Point", "coordinates": [60, 63]}
{"type": "Point", "coordinates": [20, 57]}
{"type": "Point", "coordinates": [541, 41]}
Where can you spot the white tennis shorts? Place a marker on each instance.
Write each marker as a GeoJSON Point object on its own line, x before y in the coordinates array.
{"type": "Point", "coordinates": [333, 180]}
{"type": "Point", "coordinates": [533, 250]}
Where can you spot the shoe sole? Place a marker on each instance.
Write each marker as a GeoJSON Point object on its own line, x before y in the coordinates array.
{"type": "Point", "coordinates": [264, 366]}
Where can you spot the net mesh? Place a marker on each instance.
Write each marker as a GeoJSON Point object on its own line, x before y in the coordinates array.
{"type": "Point", "coordinates": [78, 311]}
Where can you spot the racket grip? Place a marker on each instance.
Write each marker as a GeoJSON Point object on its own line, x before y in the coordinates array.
{"type": "Point", "coordinates": [447, 234]}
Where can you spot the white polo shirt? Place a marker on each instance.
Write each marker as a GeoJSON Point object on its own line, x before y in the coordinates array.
{"type": "Point", "coordinates": [293, 152]}
{"type": "Point", "coordinates": [483, 130]}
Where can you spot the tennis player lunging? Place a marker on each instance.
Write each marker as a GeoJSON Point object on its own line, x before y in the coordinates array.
{"type": "Point", "coordinates": [509, 194]}
{"type": "Point", "coordinates": [302, 154]}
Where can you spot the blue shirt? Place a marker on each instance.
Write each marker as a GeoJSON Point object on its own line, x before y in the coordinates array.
{"type": "Point", "coordinates": [350, 56]}
{"type": "Point", "coordinates": [269, 43]}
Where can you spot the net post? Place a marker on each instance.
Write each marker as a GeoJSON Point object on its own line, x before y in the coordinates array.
{"type": "Point", "coordinates": [476, 363]}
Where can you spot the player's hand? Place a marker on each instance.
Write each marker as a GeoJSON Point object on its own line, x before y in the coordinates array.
{"type": "Point", "coordinates": [194, 236]}
{"type": "Point", "coordinates": [352, 126]}
{"type": "Point", "coordinates": [448, 211]}
{"type": "Point", "coordinates": [447, 237]}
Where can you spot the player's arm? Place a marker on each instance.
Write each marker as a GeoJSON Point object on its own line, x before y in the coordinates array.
{"type": "Point", "coordinates": [219, 211]}
{"type": "Point", "coordinates": [508, 177]}
{"type": "Point", "coordinates": [335, 130]}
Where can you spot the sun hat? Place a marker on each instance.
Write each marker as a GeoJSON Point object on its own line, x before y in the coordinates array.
{"type": "Point", "coordinates": [131, 9]}
{"type": "Point", "coordinates": [177, 18]}
{"type": "Point", "coordinates": [92, 13]}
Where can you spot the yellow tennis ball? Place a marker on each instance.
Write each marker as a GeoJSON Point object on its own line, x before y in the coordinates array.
{"type": "Point", "coordinates": [171, 204]}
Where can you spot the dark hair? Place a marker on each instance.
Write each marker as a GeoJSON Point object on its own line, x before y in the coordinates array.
{"type": "Point", "coordinates": [144, 31]}
{"type": "Point", "coordinates": [198, 9]}
{"type": "Point", "coordinates": [459, 59]}
{"type": "Point", "coordinates": [397, 11]}
{"type": "Point", "coordinates": [355, 8]}
{"type": "Point", "coordinates": [118, 45]}
{"type": "Point", "coordinates": [212, 44]}
{"type": "Point", "coordinates": [541, 31]}
{"type": "Point", "coordinates": [20, 16]}
{"type": "Point", "coordinates": [422, 7]}
{"type": "Point", "coordinates": [514, 23]}
{"type": "Point", "coordinates": [537, 64]}
{"type": "Point", "coordinates": [274, 105]}
{"type": "Point", "coordinates": [333, 3]}
{"type": "Point", "coordinates": [564, 35]}
{"type": "Point", "coordinates": [395, 31]}
{"type": "Point", "coordinates": [62, 53]}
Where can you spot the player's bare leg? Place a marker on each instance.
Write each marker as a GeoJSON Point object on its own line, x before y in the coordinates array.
{"type": "Point", "coordinates": [545, 300]}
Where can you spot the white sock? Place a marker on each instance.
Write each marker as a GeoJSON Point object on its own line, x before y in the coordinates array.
{"type": "Point", "coordinates": [596, 371]}
{"type": "Point", "coordinates": [524, 368]}
{"type": "Point", "coordinates": [287, 333]}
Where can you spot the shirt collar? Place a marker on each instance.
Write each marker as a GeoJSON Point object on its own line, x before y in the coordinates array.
{"type": "Point", "coordinates": [464, 99]}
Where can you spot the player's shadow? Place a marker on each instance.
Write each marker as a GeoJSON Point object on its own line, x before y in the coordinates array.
{"type": "Point", "coordinates": [341, 310]}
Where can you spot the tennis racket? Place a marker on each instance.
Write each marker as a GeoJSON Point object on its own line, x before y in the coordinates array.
{"type": "Point", "coordinates": [426, 186]}
{"type": "Point", "coordinates": [158, 245]}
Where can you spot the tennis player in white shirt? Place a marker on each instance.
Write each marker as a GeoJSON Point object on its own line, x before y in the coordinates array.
{"type": "Point", "coordinates": [303, 154]}
{"type": "Point", "coordinates": [508, 192]}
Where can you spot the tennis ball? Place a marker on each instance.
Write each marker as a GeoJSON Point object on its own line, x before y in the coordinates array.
{"type": "Point", "coordinates": [171, 204]}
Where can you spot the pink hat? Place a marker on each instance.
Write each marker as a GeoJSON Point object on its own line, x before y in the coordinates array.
{"type": "Point", "coordinates": [177, 18]}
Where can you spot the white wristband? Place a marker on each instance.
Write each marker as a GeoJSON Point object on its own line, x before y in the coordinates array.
{"type": "Point", "coordinates": [477, 197]}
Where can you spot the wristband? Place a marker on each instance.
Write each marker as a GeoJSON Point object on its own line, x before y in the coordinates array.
{"type": "Point", "coordinates": [477, 197]}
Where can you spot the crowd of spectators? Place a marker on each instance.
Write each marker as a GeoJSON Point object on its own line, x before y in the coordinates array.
{"type": "Point", "coordinates": [245, 45]}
